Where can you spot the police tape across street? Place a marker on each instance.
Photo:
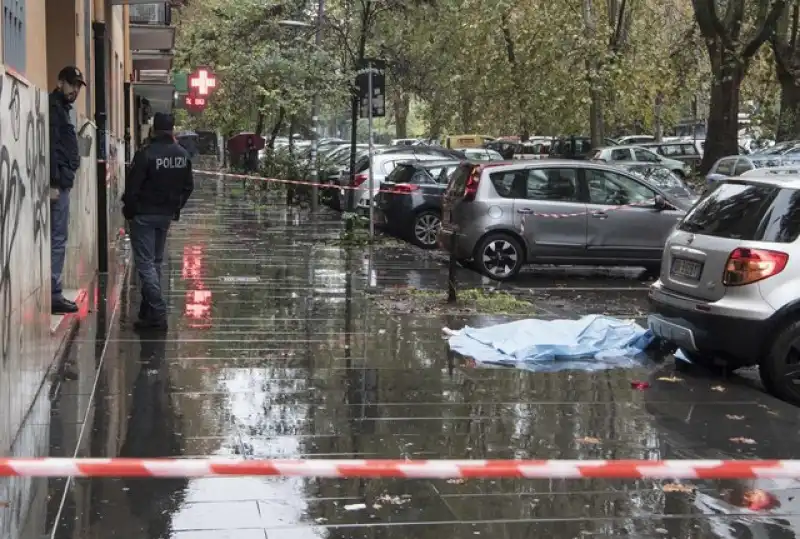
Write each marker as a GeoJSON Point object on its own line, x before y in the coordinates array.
{"type": "Point", "coordinates": [406, 469]}
{"type": "Point", "coordinates": [331, 187]}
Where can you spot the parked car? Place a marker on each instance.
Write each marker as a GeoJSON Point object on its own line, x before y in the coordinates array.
{"type": "Point", "coordinates": [465, 141]}
{"type": "Point", "coordinates": [382, 165]}
{"type": "Point", "coordinates": [405, 142]}
{"type": "Point", "coordinates": [689, 152]}
{"type": "Point", "coordinates": [613, 154]}
{"type": "Point", "coordinates": [481, 154]}
{"type": "Point", "coordinates": [782, 171]}
{"type": "Point", "coordinates": [409, 204]}
{"type": "Point", "coordinates": [661, 177]}
{"type": "Point", "coordinates": [729, 291]}
{"type": "Point", "coordinates": [574, 147]}
{"type": "Point", "coordinates": [555, 212]}
{"type": "Point", "coordinates": [635, 139]}
{"type": "Point", "coordinates": [733, 166]}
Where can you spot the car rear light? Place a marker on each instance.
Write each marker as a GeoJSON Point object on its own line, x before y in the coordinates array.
{"type": "Point", "coordinates": [746, 266]}
{"type": "Point", "coordinates": [359, 179]}
{"type": "Point", "coordinates": [405, 188]}
{"type": "Point", "coordinates": [471, 188]}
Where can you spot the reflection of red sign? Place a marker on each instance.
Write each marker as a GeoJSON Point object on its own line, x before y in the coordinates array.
{"type": "Point", "coordinates": [198, 299]}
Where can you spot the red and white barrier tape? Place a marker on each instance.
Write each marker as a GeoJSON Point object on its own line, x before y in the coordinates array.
{"type": "Point", "coordinates": [398, 192]}
{"type": "Point", "coordinates": [409, 469]}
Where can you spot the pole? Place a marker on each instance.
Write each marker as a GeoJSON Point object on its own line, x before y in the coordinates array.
{"type": "Point", "coordinates": [100, 119]}
{"type": "Point", "coordinates": [452, 289]}
{"type": "Point", "coordinates": [371, 180]}
{"type": "Point", "coordinates": [315, 118]}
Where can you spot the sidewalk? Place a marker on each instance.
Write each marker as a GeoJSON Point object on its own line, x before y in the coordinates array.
{"type": "Point", "coordinates": [275, 350]}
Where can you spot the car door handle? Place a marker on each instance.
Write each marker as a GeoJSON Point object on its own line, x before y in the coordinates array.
{"type": "Point", "coordinates": [600, 215]}
{"type": "Point", "coordinates": [526, 211]}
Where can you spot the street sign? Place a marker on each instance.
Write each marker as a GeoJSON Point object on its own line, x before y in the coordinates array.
{"type": "Point", "coordinates": [378, 70]}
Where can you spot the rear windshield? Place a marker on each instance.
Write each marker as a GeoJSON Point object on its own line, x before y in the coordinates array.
{"type": "Point", "coordinates": [401, 174]}
{"type": "Point", "coordinates": [749, 212]}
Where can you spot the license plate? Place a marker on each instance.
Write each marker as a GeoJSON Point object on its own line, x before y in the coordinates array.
{"type": "Point", "coordinates": [688, 269]}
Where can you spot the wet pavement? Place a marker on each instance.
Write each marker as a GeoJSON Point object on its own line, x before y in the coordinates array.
{"type": "Point", "coordinates": [275, 350]}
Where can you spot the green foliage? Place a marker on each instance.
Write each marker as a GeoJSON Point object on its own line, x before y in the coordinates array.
{"type": "Point", "coordinates": [468, 66]}
{"type": "Point", "coordinates": [263, 66]}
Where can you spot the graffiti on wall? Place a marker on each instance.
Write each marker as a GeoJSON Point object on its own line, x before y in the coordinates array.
{"type": "Point", "coordinates": [24, 194]}
{"type": "Point", "coordinates": [24, 264]}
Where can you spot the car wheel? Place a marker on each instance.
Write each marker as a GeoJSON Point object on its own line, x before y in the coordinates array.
{"type": "Point", "coordinates": [426, 229]}
{"type": "Point", "coordinates": [780, 368]}
{"type": "Point", "coordinates": [499, 257]}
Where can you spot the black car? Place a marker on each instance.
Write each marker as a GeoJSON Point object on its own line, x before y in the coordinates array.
{"type": "Point", "coordinates": [409, 204]}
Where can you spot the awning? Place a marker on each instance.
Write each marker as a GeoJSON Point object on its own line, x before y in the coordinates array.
{"type": "Point", "coordinates": [160, 95]}
{"type": "Point", "coordinates": [147, 37]}
{"type": "Point", "coordinates": [152, 60]}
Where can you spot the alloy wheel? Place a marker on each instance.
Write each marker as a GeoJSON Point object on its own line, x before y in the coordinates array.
{"type": "Point", "coordinates": [426, 228]}
{"type": "Point", "coordinates": [500, 258]}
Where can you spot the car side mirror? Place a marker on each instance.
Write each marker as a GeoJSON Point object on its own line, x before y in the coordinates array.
{"type": "Point", "coordinates": [660, 203]}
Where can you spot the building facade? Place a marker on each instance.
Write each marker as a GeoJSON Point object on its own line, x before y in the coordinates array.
{"type": "Point", "coordinates": [124, 48]}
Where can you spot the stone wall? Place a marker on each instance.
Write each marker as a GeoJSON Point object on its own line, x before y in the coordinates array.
{"type": "Point", "coordinates": [81, 262]}
{"type": "Point", "coordinates": [25, 345]}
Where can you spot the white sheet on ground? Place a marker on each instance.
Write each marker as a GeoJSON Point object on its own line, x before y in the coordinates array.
{"type": "Point", "coordinates": [593, 342]}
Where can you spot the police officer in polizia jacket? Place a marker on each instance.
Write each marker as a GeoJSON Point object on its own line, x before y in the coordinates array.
{"type": "Point", "coordinates": [158, 185]}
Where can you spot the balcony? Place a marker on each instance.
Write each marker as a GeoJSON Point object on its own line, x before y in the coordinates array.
{"type": "Point", "coordinates": [156, 14]}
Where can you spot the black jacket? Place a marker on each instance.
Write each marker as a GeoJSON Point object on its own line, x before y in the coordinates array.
{"type": "Point", "coordinates": [159, 180]}
{"type": "Point", "coordinates": [64, 156]}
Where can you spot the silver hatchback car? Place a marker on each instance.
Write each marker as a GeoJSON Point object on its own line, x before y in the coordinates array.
{"type": "Point", "coordinates": [729, 290]}
{"type": "Point", "coordinates": [499, 217]}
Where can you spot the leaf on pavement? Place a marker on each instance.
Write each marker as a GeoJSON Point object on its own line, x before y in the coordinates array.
{"type": "Point", "coordinates": [678, 487]}
{"type": "Point", "coordinates": [591, 440]}
{"type": "Point", "coordinates": [718, 388]}
{"type": "Point", "coordinates": [742, 440]}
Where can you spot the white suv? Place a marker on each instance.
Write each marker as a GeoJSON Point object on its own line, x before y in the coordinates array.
{"type": "Point", "coordinates": [729, 289]}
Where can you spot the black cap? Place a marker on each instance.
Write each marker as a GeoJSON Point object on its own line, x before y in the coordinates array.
{"type": "Point", "coordinates": [163, 122]}
{"type": "Point", "coordinates": [72, 75]}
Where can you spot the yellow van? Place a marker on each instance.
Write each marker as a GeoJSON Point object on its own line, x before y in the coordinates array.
{"type": "Point", "coordinates": [465, 141]}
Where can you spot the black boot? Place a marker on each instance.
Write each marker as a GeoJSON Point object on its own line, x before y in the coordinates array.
{"type": "Point", "coordinates": [63, 306]}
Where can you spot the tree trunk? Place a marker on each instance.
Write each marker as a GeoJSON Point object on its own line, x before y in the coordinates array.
{"type": "Point", "coordinates": [789, 119]}
{"type": "Point", "coordinates": [596, 122]}
{"type": "Point", "coordinates": [292, 122]}
{"type": "Point", "coordinates": [276, 128]}
{"type": "Point", "coordinates": [401, 104]}
{"type": "Point", "coordinates": [658, 111]}
{"type": "Point", "coordinates": [722, 133]}
{"type": "Point", "coordinates": [261, 118]}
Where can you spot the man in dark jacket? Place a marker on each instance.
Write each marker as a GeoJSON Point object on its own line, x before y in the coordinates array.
{"type": "Point", "coordinates": [159, 183]}
{"type": "Point", "coordinates": [64, 162]}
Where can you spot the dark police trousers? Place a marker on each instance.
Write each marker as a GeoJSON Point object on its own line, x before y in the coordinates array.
{"type": "Point", "coordinates": [148, 240]}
